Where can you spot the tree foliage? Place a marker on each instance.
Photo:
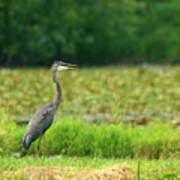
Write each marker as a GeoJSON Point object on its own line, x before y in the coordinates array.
{"type": "Point", "coordinates": [93, 31]}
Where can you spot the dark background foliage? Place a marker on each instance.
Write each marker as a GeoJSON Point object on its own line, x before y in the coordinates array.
{"type": "Point", "coordinates": [35, 32]}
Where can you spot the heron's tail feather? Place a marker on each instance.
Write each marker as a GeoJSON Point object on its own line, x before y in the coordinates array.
{"type": "Point", "coordinates": [26, 142]}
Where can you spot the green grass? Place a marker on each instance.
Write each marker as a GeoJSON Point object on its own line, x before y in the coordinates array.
{"type": "Point", "coordinates": [129, 94]}
{"type": "Point", "coordinates": [106, 114]}
{"type": "Point", "coordinates": [154, 169]}
{"type": "Point", "coordinates": [107, 96]}
{"type": "Point", "coordinates": [11, 163]}
{"type": "Point", "coordinates": [76, 138]}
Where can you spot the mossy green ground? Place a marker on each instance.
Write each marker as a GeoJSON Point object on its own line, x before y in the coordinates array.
{"type": "Point", "coordinates": [125, 112]}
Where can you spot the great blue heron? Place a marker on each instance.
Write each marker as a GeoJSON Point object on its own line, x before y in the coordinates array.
{"type": "Point", "coordinates": [44, 116]}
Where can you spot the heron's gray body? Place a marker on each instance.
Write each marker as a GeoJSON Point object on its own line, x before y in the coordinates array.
{"type": "Point", "coordinates": [39, 123]}
{"type": "Point", "coordinates": [43, 118]}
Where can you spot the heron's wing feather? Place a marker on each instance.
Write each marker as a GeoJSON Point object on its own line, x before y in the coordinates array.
{"type": "Point", "coordinates": [41, 120]}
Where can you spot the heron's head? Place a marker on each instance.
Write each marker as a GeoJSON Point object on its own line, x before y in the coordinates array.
{"type": "Point", "coordinates": [60, 66]}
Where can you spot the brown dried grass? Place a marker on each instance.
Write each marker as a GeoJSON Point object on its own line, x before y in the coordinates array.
{"type": "Point", "coordinates": [117, 172]}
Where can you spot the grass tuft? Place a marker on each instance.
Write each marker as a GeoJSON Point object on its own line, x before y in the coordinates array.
{"type": "Point", "coordinates": [76, 138]}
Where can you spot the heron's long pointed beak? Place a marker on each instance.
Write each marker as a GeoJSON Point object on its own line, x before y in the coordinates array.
{"type": "Point", "coordinates": [66, 66]}
{"type": "Point", "coordinates": [71, 66]}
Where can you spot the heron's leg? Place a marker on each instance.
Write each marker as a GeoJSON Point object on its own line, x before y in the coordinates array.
{"type": "Point", "coordinates": [46, 147]}
{"type": "Point", "coordinates": [38, 146]}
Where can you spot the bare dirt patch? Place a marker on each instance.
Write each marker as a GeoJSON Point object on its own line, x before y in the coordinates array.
{"type": "Point", "coordinates": [117, 172]}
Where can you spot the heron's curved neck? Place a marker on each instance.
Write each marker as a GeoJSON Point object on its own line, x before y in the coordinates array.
{"type": "Point", "coordinates": [58, 89]}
